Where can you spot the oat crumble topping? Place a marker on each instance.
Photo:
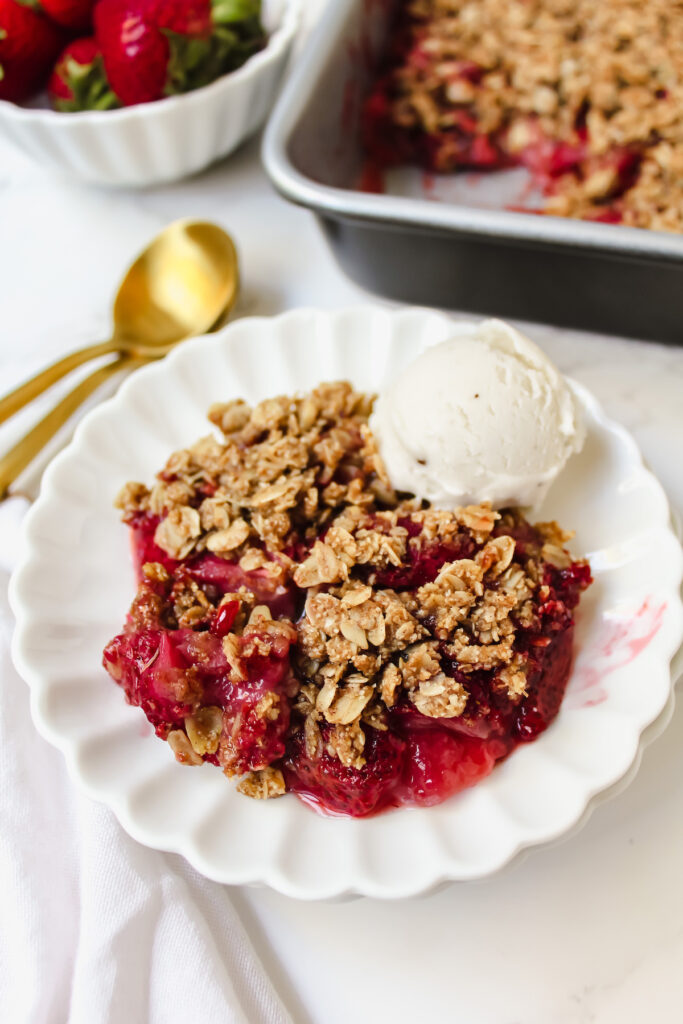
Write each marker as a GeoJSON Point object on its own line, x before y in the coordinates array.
{"type": "Point", "coordinates": [293, 502]}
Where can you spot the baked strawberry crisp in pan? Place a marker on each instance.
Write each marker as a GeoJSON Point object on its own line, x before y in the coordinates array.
{"type": "Point", "coordinates": [301, 625]}
{"type": "Point", "coordinates": [587, 94]}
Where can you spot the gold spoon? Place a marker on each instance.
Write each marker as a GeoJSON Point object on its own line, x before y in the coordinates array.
{"type": "Point", "coordinates": [182, 285]}
{"type": "Point", "coordinates": [178, 287]}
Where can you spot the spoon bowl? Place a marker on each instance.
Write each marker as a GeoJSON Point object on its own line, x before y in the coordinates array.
{"type": "Point", "coordinates": [181, 285]}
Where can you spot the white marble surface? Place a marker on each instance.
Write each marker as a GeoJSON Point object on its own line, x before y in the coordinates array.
{"type": "Point", "coordinates": [590, 930]}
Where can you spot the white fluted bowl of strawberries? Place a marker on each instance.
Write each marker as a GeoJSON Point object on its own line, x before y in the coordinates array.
{"type": "Point", "coordinates": [138, 92]}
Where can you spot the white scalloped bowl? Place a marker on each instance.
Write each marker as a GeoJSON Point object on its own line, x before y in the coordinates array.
{"type": "Point", "coordinates": [164, 141]}
{"type": "Point", "coordinates": [74, 584]}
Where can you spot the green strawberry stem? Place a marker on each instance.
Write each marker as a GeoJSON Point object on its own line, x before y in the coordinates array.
{"type": "Point", "coordinates": [225, 12]}
{"type": "Point", "coordinates": [237, 35]}
{"type": "Point", "coordinates": [89, 85]}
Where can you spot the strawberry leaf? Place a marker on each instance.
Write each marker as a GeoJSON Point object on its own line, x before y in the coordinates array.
{"type": "Point", "coordinates": [89, 87]}
{"type": "Point", "coordinates": [195, 62]}
{"type": "Point", "coordinates": [188, 63]}
{"type": "Point", "coordinates": [226, 12]}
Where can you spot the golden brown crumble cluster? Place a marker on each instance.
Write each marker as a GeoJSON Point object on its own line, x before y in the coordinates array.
{"type": "Point", "coordinates": [296, 489]}
{"type": "Point", "coordinates": [361, 645]}
{"type": "Point", "coordinates": [277, 471]}
{"type": "Point", "coordinates": [617, 64]}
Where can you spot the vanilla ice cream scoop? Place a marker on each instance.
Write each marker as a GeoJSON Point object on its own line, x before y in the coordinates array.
{"type": "Point", "coordinates": [483, 416]}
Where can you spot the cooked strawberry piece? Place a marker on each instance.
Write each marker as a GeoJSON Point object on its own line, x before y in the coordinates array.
{"type": "Point", "coordinates": [611, 215]}
{"type": "Point", "coordinates": [484, 152]}
{"type": "Point", "coordinates": [256, 708]}
{"type": "Point", "coordinates": [548, 159]}
{"type": "Point", "coordinates": [439, 763]}
{"type": "Point", "coordinates": [142, 530]}
{"type": "Point", "coordinates": [154, 675]}
{"type": "Point", "coordinates": [224, 618]}
{"type": "Point", "coordinates": [259, 738]}
{"type": "Point", "coordinates": [168, 673]}
{"type": "Point", "coordinates": [573, 580]}
{"type": "Point", "coordinates": [205, 652]}
{"type": "Point", "coordinates": [540, 707]}
{"type": "Point", "coordinates": [229, 577]}
{"type": "Point", "coordinates": [334, 788]}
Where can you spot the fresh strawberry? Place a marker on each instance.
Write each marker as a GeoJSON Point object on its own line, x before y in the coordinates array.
{"type": "Point", "coordinates": [185, 17]}
{"type": "Point", "coordinates": [155, 48]}
{"type": "Point", "coordinates": [135, 52]}
{"type": "Point", "coordinates": [29, 44]}
{"type": "Point", "coordinates": [74, 15]}
{"type": "Point", "coordinates": [78, 81]}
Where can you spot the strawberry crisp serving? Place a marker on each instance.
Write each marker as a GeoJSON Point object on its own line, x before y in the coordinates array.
{"type": "Point", "coordinates": [305, 627]}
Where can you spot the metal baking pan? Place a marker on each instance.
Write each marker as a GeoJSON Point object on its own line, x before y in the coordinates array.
{"type": "Point", "coordinates": [469, 253]}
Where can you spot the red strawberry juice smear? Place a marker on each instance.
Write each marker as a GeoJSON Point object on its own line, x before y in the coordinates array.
{"type": "Point", "coordinates": [619, 643]}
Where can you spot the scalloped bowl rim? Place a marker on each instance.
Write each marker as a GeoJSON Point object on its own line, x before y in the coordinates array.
{"type": "Point", "coordinates": [273, 875]}
{"type": "Point", "coordinates": [278, 41]}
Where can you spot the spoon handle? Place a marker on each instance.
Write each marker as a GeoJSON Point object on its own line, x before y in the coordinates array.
{"type": "Point", "coordinates": [25, 393]}
{"type": "Point", "coordinates": [23, 453]}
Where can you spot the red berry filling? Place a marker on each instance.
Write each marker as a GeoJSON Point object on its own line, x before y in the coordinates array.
{"type": "Point", "coordinates": [463, 147]}
{"type": "Point", "coordinates": [440, 764]}
{"type": "Point", "coordinates": [333, 788]}
{"type": "Point", "coordinates": [153, 674]}
{"type": "Point", "coordinates": [416, 760]}
{"type": "Point", "coordinates": [171, 673]}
